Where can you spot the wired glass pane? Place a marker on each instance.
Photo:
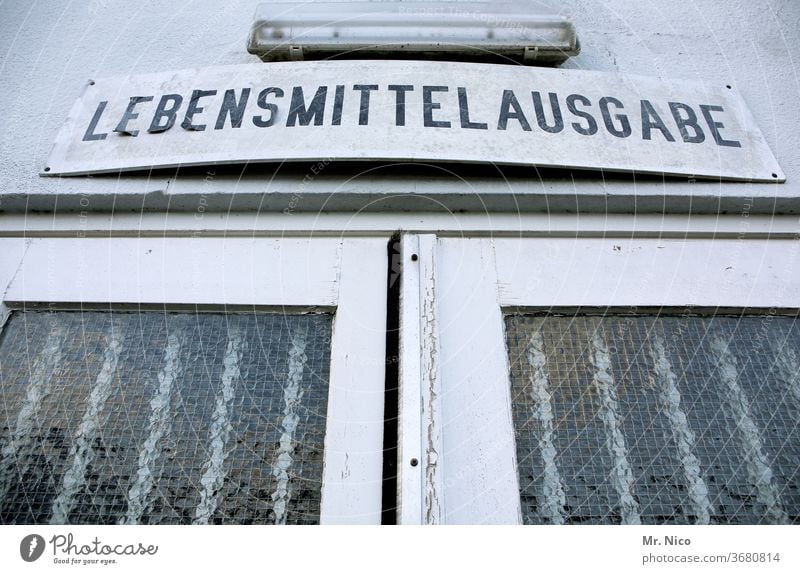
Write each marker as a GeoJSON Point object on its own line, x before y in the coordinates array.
{"type": "Point", "coordinates": [162, 418]}
{"type": "Point", "coordinates": [656, 419]}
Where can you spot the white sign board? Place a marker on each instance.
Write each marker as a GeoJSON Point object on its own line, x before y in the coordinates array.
{"type": "Point", "coordinates": [412, 111]}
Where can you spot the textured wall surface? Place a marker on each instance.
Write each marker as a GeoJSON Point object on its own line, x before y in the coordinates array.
{"type": "Point", "coordinates": [49, 49]}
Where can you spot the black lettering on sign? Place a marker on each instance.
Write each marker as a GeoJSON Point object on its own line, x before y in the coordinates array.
{"type": "Point", "coordinates": [685, 118]}
{"type": "Point", "coordinates": [260, 121]}
{"type": "Point", "coordinates": [651, 120]}
{"type": "Point", "coordinates": [130, 114]}
{"type": "Point", "coordinates": [232, 107]}
{"type": "Point", "coordinates": [507, 113]}
{"type": "Point", "coordinates": [90, 134]}
{"type": "Point", "coordinates": [162, 111]}
{"type": "Point", "coordinates": [363, 115]}
{"type": "Point", "coordinates": [428, 106]}
{"type": "Point", "coordinates": [541, 119]}
{"type": "Point", "coordinates": [624, 129]}
{"type": "Point", "coordinates": [338, 104]}
{"type": "Point", "coordinates": [400, 102]}
{"type": "Point", "coordinates": [298, 112]}
{"type": "Point", "coordinates": [715, 126]}
{"type": "Point", "coordinates": [591, 124]}
{"type": "Point", "coordinates": [463, 106]}
{"type": "Point", "coordinates": [195, 108]}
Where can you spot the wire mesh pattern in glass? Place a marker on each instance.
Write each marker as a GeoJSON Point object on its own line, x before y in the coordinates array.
{"type": "Point", "coordinates": [162, 418]}
{"type": "Point", "coordinates": [656, 420]}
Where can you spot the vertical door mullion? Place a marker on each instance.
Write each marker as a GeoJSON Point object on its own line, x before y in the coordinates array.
{"type": "Point", "coordinates": [480, 471]}
{"type": "Point", "coordinates": [421, 445]}
{"type": "Point", "coordinates": [409, 452]}
{"type": "Point", "coordinates": [352, 485]}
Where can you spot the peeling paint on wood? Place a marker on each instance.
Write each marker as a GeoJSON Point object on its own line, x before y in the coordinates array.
{"type": "Point", "coordinates": [431, 384]}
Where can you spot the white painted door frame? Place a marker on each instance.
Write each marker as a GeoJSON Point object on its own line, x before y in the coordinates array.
{"type": "Point", "coordinates": [345, 275]}
{"type": "Point", "coordinates": [455, 377]}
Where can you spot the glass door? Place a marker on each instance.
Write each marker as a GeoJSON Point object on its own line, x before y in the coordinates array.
{"type": "Point", "coordinates": [202, 380]}
{"type": "Point", "coordinates": [601, 381]}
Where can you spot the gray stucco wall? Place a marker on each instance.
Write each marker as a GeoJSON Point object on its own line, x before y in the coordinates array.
{"type": "Point", "coordinates": [49, 49]}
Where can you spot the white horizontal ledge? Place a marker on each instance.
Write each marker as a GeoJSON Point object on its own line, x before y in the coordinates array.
{"type": "Point", "coordinates": [648, 273]}
{"type": "Point", "coordinates": [232, 271]}
{"type": "Point", "coordinates": [302, 224]}
{"type": "Point", "coordinates": [363, 190]}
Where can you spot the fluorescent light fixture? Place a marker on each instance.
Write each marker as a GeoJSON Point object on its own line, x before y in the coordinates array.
{"type": "Point", "coordinates": [523, 32]}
